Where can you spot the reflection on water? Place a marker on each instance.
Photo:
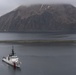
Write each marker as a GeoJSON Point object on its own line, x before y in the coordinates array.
{"type": "Point", "coordinates": [14, 71]}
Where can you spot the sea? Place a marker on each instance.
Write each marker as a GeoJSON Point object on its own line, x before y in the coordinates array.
{"type": "Point", "coordinates": [39, 59]}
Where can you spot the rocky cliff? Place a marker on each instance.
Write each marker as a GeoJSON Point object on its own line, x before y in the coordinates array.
{"type": "Point", "coordinates": [57, 18]}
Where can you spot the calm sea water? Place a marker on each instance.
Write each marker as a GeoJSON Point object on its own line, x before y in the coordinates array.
{"type": "Point", "coordinates": [39, 59]}
{"type": "Point", "coordinates": [36, 36]}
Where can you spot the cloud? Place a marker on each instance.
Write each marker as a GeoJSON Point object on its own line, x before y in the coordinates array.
{"type": "Point", "coordinates": [8, 5]}
{"type": "Point", "coordinates": [28, 2]}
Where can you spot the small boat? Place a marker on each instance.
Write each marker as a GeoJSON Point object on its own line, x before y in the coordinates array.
{"type": "Point", "coordinates": [12, 60]}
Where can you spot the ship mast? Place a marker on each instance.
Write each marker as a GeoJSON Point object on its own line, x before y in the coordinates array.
{"type": "Point", "coordinates": [13, 50]}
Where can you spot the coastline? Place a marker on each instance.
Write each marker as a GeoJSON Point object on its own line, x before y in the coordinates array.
{"type": "Point", "coordinates": [37, 41]}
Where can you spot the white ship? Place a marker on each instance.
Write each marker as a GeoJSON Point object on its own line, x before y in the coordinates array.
{"type": "Point", "coordinates": [12, 60]}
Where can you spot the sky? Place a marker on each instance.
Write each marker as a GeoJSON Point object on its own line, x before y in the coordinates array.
{"type": "Point", "coordinates": [9, 5]}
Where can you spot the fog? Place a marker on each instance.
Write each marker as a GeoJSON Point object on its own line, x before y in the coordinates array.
{"type": "Point", "coordinates": [9, 5]}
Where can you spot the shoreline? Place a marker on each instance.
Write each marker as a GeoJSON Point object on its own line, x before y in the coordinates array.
{"type": "Point", "coordinates": [37, 41]}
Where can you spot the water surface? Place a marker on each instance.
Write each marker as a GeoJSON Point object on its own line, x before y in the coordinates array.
{"type": "Point", "coordinates": [36, 36]}
{"type": "Point", "coordinates": [39, 59]}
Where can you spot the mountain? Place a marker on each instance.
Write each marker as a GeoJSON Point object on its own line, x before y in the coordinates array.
{"type": "Point", "coordinates": [54, 18]}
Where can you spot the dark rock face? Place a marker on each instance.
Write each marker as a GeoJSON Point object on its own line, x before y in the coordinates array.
{"type": "Point", "coordinates": [40, 18]}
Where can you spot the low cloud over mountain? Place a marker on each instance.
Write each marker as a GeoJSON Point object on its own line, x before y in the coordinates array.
{"type": "Point", "coordinates": [55, 18]}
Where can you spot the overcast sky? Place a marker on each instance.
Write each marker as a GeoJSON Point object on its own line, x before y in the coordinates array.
{"type": "Point", "coordinates": [8, 5]}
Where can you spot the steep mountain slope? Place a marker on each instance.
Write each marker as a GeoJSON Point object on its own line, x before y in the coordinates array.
{"type": "Point", "coordinates": [40, 18]}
